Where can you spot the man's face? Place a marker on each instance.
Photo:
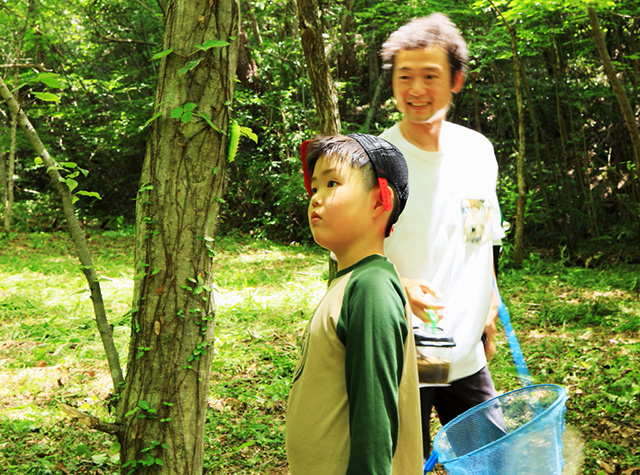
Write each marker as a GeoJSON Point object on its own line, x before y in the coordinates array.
{"type": "Point", "coordinates": [422, 84]}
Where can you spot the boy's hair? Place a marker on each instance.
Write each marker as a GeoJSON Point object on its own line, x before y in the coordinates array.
{"type": "Point", "coordinates": [434, 30]}
{"type": "Point", "coordinates": [351, 151]}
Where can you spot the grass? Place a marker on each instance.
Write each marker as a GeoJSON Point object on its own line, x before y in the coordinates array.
{"type": "Point", "coordinates": [578, 327]}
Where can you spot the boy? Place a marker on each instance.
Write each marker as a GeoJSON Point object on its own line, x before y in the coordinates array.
{"type": "Point", "coordinates": [353, 406]}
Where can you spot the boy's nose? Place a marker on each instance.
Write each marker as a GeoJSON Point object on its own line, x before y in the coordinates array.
{"type": "Point", "coordinates": [315, 200]}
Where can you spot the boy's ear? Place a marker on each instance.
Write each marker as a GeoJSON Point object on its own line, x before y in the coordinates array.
{"type": "Point", "coordinates": [378, 207]}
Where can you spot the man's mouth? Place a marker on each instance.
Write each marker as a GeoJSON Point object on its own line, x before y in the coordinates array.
{"type": "Point", "coordinates": [418, 104]}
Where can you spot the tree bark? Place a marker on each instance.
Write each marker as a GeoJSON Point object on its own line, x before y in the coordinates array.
{"type": "Point", "coordinates": [616, 85]}
{"type": "Point", "coordinates": [162, 408]}
{"type": "Point", "coordinates": [322, 86]}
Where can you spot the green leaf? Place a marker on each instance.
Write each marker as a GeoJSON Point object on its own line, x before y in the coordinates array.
{"type": "Point", "coordinates": [99, 459]}
{"type": "Point", "coordinates": [115, 448]}
{"type": "Point", "coordinates": [249, 133]}
{"type": "Point", "coordinates": [50, 79]}
{"type": "Point", "coordinates": [91, 194]}
{"type": "Point", "coordinates": [155, 116]}
{"type": "Point", "coordinates": [144, 405]}
{"type": "Point", "coordinates": [71, 183]}
{"type": "Point", "coordinates": [46, 96]}
{"type": "Point", "coordinates": [189, 66]}
{"type": "Point", "coordinates": [234, 139]}
{"type": "Point", "coordinates": [207, 118]}
{"type": "Point", "coordinates": [162, 54]}
{"type": "Point", "coordinates": [37, 161]}
{"type": "Point", "coordinates": [212, 44]}
{"type": "Point", "coordinates": [176, 113]}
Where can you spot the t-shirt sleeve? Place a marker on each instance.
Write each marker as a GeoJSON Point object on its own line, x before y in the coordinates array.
{"type": "Point", "coordinates": [373, 328]}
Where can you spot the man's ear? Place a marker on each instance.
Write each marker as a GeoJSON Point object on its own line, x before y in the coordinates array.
{"type": "Point", "coordinates": [458, 82]}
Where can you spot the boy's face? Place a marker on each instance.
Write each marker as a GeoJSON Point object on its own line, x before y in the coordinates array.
{"type": "Point", "coordinates": [339, 206]}
{"type": "Point", "coordinates": [422, 83]}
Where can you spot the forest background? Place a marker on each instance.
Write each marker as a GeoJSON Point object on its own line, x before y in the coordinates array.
{"type": "Point", "coordinates": [85, 72]}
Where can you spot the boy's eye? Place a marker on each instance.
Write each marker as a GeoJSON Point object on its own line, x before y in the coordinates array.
{"type": "Point", "coordinates": [314, 191]}
{"type": "Point", "coordinates": [331, 183]}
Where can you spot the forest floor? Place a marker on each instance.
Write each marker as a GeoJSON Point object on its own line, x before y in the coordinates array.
{"type": "Point", "coordinates": [578, 327]}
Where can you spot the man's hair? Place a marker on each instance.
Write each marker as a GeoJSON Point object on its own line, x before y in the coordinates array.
{"type": "Point", "coordinates": [434, 30]}
{"type": "Point", "coordinates": [346, 150]}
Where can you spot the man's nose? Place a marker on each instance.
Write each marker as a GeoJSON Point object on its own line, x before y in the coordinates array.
{"type": "Point", "coordinates": [417, 87]}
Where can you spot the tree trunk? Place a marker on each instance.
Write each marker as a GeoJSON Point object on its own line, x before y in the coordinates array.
{"type": "Point", "coordinates": [322, 86]}
{"type": "Point", "coordinates": [623, 101]}
{"type": "Point", "coordinates": [522, 192]}
{"type": "Point", "coordinates": [162, 407]}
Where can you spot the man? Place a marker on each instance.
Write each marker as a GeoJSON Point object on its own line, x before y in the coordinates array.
{"type": "Point", "coordinates": [443, 242]}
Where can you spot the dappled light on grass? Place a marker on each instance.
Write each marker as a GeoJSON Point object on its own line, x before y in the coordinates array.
{"type": "Point", "coordinates": [578, 328]}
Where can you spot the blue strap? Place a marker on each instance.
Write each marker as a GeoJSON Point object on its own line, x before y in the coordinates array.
{"type": "Point", "coordinates": [431, 463]}
{"type": "Point", "coordinates": [516, 352]}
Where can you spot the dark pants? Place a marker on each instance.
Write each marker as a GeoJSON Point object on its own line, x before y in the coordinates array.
{"type": "Point", "coordinates": [451, 401]}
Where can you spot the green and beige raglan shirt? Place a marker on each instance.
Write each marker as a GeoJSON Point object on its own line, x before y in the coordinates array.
{"type": "Point", "coordinates": [354, 404]}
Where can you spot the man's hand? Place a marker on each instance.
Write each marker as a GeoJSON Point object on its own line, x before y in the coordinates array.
{"type": "Point", "coordinates": [490, 328]}
{"type": "Point", "coordinates": [422, 297]}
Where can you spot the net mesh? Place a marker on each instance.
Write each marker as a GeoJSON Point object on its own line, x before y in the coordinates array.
{"type": "Point", "coordinates": [519, 432]}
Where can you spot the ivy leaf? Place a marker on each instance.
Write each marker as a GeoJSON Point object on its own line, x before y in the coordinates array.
{"type": "Point", "coordinates": [162, 54]}
{"type": "Point", "coordinates": [155, 116]}
{"type": "Point", "coordinates": [46, 96]}
{"type": "Point", "coordinates": [189, 66]}
{"type": "Point", "coordinates": [212, 44]}
{"type": "Point", "coordinates": [176, 113]}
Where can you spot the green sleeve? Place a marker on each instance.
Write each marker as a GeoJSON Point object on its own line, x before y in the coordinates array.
{"type": "Point", "coordinates": [373, 328]}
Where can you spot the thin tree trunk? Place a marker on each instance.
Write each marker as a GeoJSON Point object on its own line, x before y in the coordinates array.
{"type": "Point", "coordinates": [10, 172]}
{"type": "Point", "coordinates": [162, 409]}
{"type": "Point", "coordinates": [322, 86]}
{"type": "Point", "coordinates": [522, 192]}
{"type": "Point", "coordinates": [616, 85]}
{"type": "Point", "coordinates": [77, 235]}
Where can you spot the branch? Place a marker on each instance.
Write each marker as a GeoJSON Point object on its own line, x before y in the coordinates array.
{"type": "Point", "coordinates": [24, 65]}
{"type": "Point", "coordinates": [100, 313]}
{"type": "Point", "coordinates": [113, 39]}
{"type": "Point", "coordinates": [90, 421]}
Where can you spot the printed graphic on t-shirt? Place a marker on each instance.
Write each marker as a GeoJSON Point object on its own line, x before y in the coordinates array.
{"type": "Point", "coordinates": [476, 220]}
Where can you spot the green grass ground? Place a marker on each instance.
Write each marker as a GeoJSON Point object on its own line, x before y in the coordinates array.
{"type": "Point", "coordinates": [578, 328]}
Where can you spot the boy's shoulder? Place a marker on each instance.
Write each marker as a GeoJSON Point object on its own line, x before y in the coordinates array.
{"type": "Point", "coordinates": [374, 274]}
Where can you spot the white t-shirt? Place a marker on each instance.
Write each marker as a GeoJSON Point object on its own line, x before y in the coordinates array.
{"type": "Point", "coordinates": [446, 233]}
